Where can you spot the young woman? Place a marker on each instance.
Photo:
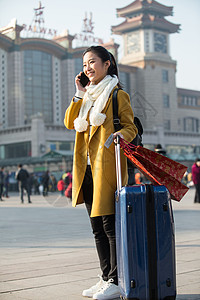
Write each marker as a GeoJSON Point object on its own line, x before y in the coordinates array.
{"type": "Point", "coordinates": [94, 176]}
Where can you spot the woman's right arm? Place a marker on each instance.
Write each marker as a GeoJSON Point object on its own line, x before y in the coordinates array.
{"type": "Point", "coordinates": [73, 110]}
{"type": "Point", "coordinates": [72, 113]}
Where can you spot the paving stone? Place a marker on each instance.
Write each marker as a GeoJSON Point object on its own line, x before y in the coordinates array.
{"type": "Point", "coordinates": [47, 251]}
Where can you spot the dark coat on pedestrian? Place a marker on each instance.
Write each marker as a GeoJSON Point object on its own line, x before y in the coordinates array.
{"type": "Point", "coordinates": [22, 176]}
{"type": "Point", "coordinates": [1, 177]}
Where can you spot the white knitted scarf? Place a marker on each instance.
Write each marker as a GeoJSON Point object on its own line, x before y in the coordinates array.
{"type": "Point", "coordinates": [98, 95]}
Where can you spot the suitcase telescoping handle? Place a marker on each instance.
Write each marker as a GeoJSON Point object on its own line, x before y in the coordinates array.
{"type": "Point", "coordinates": [118, 165]}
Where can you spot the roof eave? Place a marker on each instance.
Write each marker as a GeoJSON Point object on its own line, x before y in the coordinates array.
{"type": "Point", "coordinates": [139, 7]}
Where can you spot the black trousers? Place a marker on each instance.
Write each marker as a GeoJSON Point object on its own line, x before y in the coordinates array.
{"type": "Point", "coordinates": [22, 187]}
{"type": "Point", "coordinates": [197, 193]}
{"type": "Point", "coordinates": [1, 190]}
{"type": "Point", "coordinates": [104, 232]}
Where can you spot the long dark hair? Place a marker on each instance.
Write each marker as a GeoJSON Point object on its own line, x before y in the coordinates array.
{"type": "Point", "coordinates": [105, 55]}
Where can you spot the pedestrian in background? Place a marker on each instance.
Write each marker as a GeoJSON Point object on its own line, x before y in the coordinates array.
{"type": "Point", "coordinates": [6, 184]}
{"type": "Point", "coordinates": [159, 149]}
{"type": "Point", "coordinates": [190, 182]}
{"type": "Point", "coordinates": [61, 186]}
{"type": "Point", "coordinates": [94, 181]}
{"type": "Point", "coordinates": [45, 183]}
{"type": "Point", "coordinates": [196, 179]}
{"type": "Point", "coordinates": [68, 191]}
{"type": "Point", "coordinates": [53, 182]}
{"type": "Point", "coordinates": [138, 178]}
{"type": "Point", "coordinates": [1, 182]}
{"type": "Point", "coordinates": [30, 182]}
{"type": "Point", "coordinates": [36, 185]}
{"type": "Point", "coordinates": [22, 176]}
{"type": "Point", "coordinates": [67, 177]}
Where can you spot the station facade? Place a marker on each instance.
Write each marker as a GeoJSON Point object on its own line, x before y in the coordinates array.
{"type": "Point", "coordinates": [37, 84]}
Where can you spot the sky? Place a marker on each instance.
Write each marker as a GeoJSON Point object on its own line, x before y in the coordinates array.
{"type": "Point", "coordinates": [65, 14]}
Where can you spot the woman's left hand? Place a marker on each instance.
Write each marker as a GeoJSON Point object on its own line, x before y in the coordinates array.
{"type": "Point", "coordinates": [118, 133]}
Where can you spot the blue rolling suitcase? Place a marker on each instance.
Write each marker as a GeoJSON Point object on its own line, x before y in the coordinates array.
{"type": "Point", "coordinates": [145, 241]}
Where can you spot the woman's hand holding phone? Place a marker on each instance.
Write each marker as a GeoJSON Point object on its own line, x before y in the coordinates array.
{"type": "Point", "coordinates": [81, 81]}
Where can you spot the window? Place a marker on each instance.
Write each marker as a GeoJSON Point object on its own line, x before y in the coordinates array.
{"type": "Point", "coordinates": [15, 150]}
{"type": "Point", "coordinates": [38, 84]}
{"type": "Point", "coordinates": [165, 77]}
{"type": "Point", "coordinates": [189, 100]}
{"type": "Point", "coordinates": [191, 124]}
{"type": "Point", "coordinates": [166, 100]}
{"type": "Point", "coordinates": [55, 145]}
{"type": "Point", "coordinates": [167, 125]}
{"type": "Point", "coordinates": [181, 152]}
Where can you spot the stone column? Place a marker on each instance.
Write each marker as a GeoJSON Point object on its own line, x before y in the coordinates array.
{"type": "Point", "coordinates": [38, 141]}
{"type": "Point", "coordinates": [161, 136]}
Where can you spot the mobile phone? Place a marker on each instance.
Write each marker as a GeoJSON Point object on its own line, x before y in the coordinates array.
{"type": "Point", "coordinates": [84, 79]}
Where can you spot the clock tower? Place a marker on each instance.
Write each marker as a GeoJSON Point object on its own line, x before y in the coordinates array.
{"type": "Point", "coordinates": [153, 92]}
{"type": "Point", "coordinates": [145, 32]}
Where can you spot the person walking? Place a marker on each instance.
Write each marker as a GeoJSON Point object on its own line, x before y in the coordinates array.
{"type": "Point", "coordinates": [196, 179]}
{"type": "Point", "coordinates": [6, 184]}
{"type": "Point", "coordinates": [36, 185]}
{"type": "Point", "coordinates": [22, 176]}
{"type": "Point", "coordinates": [61, 186]}
{"type": "Point", "coordinates": [90, 113]}
{"type": "Point", "coordinates": [159, 149]}
{"type": "Point", "coordinates": [45, 182]}
{"type": "Point", "coordinates": [1, 182]}
{"type": "Point", "coordinates": [67, 177]}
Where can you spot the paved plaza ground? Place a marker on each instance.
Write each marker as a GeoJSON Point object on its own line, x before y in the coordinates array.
{"type": "Point", "coordinates": [47, 249]}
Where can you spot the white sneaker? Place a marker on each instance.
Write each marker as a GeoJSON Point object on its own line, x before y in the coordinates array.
{"type": "Point", "coordinates": [91, 291]}
{"type": "Point", "coordinates": [108, 291]}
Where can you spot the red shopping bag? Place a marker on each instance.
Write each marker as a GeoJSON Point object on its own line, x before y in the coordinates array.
{"type": "Point", "coordinates": [159, 169]}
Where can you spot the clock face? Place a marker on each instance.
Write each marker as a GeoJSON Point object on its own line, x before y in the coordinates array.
{"type": "Point", "coordinates": [160, 42]}
{"type": "Point", "coordinates": [133, 42]}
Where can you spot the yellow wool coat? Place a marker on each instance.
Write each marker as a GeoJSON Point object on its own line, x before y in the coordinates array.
{"type": "Point", "coordinates": [102, 159]}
